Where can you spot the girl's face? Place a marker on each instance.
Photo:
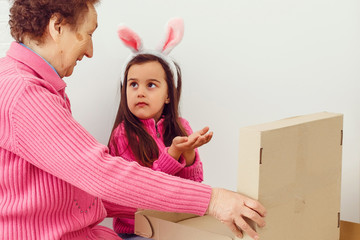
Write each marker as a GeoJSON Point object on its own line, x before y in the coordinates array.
{"type": "Point", "coordinates": [147, 90]}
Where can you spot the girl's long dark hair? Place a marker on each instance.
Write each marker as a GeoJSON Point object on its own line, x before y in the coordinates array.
{"type": "Point", "coordinates": [140, 142]}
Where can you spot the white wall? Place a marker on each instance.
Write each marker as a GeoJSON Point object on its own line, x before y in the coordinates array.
{"type": "Point", "coordinates": [5, 37]}
{"type": "Point", "coordinates": [244, 62]}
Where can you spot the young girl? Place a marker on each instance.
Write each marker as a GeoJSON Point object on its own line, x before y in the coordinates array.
{"type": "Point", "coordinates": [148, 128]}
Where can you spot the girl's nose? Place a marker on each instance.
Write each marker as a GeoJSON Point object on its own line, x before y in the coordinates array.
{"type": "Point", "coordinates": [140, 92]}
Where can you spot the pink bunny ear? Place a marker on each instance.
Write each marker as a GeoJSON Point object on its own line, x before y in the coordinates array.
{"type": "Point", "coordinates": [130, 38]}
{"type": "Point", "coordinates": [174, 34]}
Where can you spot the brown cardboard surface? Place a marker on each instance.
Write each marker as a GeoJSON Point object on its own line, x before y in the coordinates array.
{"type": "Point", "coordinates": [292, 166]}
{"type": "Point", "coordinates": [179, 226]}
{"type": "Point", "coordinates": [349, 230]}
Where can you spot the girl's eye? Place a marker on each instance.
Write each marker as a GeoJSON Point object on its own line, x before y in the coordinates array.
{"type": "Point", "coordinates": [133, 84]}
{"type": "Point", "coordinates": [151, 85]}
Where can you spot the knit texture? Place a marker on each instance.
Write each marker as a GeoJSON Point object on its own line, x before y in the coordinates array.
{"type": "Point", "coordinates": [165, 163]}
{"type": "Point", "coordinates": [55, 176]}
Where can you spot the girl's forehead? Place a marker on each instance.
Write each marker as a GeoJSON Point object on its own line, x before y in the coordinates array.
{"type": "Point", "coordinates": [147, 69]}
{"type": "Point", "coordinates": [147, 63]}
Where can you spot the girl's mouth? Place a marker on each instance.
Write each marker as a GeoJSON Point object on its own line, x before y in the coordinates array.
{"type": "Point", "coordinates": [141, 104]}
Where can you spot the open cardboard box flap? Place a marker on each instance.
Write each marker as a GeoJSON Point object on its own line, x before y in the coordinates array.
{"type": "Point", "coordinates": [179, 226]}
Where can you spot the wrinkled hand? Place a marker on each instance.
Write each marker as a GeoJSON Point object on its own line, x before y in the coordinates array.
{"type": "Point", "coordinates": [182, 144]}
{"type": "Point", "coordinates": [233, 208]}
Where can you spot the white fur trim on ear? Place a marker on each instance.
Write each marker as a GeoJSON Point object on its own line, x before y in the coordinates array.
{"type": "Point", "coordinates": [173, 35]}
{"type": "Point", "coordinates": [130, 38]}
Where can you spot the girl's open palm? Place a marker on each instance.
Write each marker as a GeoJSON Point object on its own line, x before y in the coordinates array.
{"type": "Point", "coordinates": [195, 140]}
{"type": "Point", "coordinates": [186, 144]}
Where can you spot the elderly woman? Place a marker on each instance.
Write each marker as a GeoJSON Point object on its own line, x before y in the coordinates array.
{"type": "Point", "coordinates": [56, 180]}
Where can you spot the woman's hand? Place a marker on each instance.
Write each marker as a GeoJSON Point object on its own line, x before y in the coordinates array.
{"type": "Point", "coordinates": [233, 209]}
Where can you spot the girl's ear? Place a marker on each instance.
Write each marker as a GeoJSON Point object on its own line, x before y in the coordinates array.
{"type": "Point", "coordinates": [130, 38]}
{"type": "Point", "coordinates": [167, 100]}
{"type": "Point", "coordinates": [174, 34]}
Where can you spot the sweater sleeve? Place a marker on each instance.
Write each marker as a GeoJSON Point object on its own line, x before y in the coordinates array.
{"type": "Point", "coordinates": [168, 164]}
{"type": "Point", "coordinates": [115, 210]}
{"type": "Point", "coordinates": [165, 163]}
{"type": "Point", "coordinates": [47, 136]}
{"type": "Point", "coordinates": [195, 171]}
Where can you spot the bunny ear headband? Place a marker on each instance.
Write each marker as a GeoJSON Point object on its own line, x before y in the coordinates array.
{"type": "Point", "coordinates": [173, 36]}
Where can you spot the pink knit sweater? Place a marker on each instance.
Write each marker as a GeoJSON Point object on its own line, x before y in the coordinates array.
{"type": "Point", "coordinates": [55, 177]}
{"type": "Point", "coordinates": [119, 145]}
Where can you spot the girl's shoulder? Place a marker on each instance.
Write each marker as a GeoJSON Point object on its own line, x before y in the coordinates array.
{"type": "Point", "coordinates": [185, 123]}
{"type": "Point", "coordinates": [119, 130]}
{"type": "Point", "coordinates": [118, 141]}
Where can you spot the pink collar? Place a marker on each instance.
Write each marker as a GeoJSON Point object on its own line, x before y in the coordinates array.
{"type": "Point", "coordinates": [37, 64]}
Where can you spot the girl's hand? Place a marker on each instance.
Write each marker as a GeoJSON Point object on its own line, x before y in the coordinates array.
{"type": "Point", "coordinates": [233, 209]}
{"type": "Point", "coordinates": [199, 138]}
{"type": "Point", "coordinates": [181, 145]}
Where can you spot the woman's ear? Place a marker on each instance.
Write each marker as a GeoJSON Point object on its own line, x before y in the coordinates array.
{"type": "Point", "coordinates": [55, 26]}
{"type": "Point", "coordinates": [167, 100]}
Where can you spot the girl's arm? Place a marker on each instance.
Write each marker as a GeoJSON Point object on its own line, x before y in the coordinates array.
{"type": "Point", "coordinates": [193, 171]}
{"type": "Point", "coordinates": [165, 163]}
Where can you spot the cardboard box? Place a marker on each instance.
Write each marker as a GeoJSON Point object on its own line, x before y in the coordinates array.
{"type": "Point", "coordinates": [292, 166]}
{"type": "Point", "coordinates": [179, 226]}
{"type": "Point", "coordinates": [349, 230]}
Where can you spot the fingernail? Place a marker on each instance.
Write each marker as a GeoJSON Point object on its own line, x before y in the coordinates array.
{"type": "Point", "coordinates": [257, 237]}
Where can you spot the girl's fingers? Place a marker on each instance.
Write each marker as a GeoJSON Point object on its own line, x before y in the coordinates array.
{"type": "Point", "coordinates": [179, 140]}
{"type": "Point", "coordinates": [203, 140]}
{"type": "Point", "coordinates": [187, 144]}
{"type": "Point", "coordinates": [193, 139]}
{"type": "Point", "coordinates": [209, 136]}
{"type": "Point", "coordinates": [203, 131]}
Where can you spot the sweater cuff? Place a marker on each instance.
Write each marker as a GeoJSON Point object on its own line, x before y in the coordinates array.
{"type": "Point", "coordinates": [193, 172]}
{"type": "Point", "coordinates": [168, 164]}
{"type": "Point", "coordinates": [121, 227]}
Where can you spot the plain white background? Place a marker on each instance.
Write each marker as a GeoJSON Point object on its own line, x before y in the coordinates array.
{"type": "Point", "coordinates": [244, 62]}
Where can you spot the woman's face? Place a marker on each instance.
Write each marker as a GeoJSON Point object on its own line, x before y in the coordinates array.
{"type": "Point", "coordinates": [76, 42]}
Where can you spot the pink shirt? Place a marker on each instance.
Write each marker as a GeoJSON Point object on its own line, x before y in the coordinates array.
{"type": "Point", "coordinates": [55, 177]}
{"type": "Point", "coordinates": [165, 163]}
